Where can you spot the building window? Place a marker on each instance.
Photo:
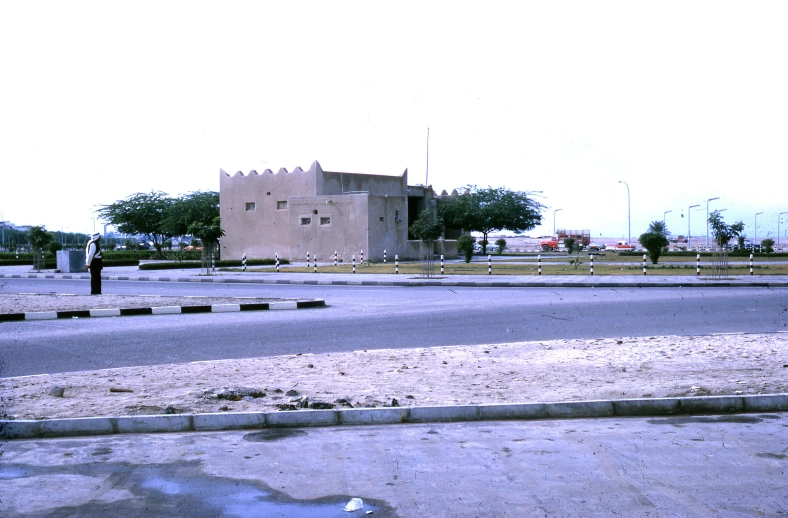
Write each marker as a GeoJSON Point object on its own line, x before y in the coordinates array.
{"type": "Point", "coordinates": [250, 205]}
{"type": "Point", "coordinates": [325, 220]}
{"type": "Point", "coordinates": [306, 221]}
{"type": "Point", "coordinates": [281, 205]}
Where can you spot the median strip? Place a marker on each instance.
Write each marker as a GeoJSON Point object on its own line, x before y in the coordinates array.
{"type": "Point", "coordinates": [160, 310]}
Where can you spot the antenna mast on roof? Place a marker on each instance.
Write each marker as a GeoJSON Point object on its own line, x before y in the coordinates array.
{"type": "Point", "coordinates": [427, 179]}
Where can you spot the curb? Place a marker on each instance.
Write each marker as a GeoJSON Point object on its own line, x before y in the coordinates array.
{"type": "Point", "coordinates": [29, 429]}
{"type": "Point", "coordinates": [688, 282]}
{"type": "Point", "coordinates": [163, 310]}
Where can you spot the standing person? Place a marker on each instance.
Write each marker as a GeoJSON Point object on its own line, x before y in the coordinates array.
{"type": "Point", "coordinates": [94, 263]}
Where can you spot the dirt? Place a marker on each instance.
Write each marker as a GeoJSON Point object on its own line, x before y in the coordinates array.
{"type": "Point", "coordinates": [556, 370]}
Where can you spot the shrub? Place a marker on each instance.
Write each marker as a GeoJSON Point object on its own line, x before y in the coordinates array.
{"type": "Point", "coordinates": [465, 246]}
{"type": "Point", "coordinates": [654, 242]}
{"type": "Point", "coordinates": [501, 245]}
{"type": "Point", "coordinates": [767, 245]}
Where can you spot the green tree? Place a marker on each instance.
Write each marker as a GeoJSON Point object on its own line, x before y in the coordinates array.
{"type": "Point", "coordinates": [465, 246]}
{"type": "Point", "coordinates": [723, 232]}
{"type": "Point", "coordinates": [490, 209]}
{"type": "Point", "coordinates": [654, 240]}
{"type": "Point", "coordinates": [141, 213]}
{"type": "Point", "coordinates": [767, 245]}
{"type": "Point", "coordinates": [39, 238]}
{"type": "Point", "coordinates": [501, 242]}
{"type": "Point", "coordinates": [427, 227]}
{"type": "Point", "coordinates": [200, 207]}
{"type": "Point", "coordinates": [571, 245]}
{"type": "Point", "coordinates": [209, 234]}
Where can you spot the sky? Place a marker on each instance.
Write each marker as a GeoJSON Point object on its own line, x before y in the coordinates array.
{"type": "Point", "coordinates": [683, 101]}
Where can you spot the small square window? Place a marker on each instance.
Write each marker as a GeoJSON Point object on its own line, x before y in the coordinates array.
{"type": "Point", "coordinates": [250, 205]}
{"type": "Point", "coordinates": [381, 218]}
{"type": "Point", "coordinates": [306, 221]}
{"type": "Point", "coordinates": [325, 220]}
{"type": "Point", "coordinates": [281, 205]}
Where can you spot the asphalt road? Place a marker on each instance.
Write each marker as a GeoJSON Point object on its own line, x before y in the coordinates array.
{"type": "Point", "coordinates": [368, 318]}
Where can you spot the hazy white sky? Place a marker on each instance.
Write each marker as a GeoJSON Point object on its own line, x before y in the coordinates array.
{"type": "Point", "coordinates": [684, 101]}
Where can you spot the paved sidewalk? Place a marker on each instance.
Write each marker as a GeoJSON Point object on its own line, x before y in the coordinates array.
{"type": "Point", "coordinates": [132, 273]}
{"type": "Point", "coordinates": [720, 465]}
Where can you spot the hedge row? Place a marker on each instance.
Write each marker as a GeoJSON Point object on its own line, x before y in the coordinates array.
{"type": "Point", "coordinates": [219, 264]}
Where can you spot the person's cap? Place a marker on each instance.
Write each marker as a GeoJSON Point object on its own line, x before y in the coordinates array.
{"type": "Point", "coordinates": [95, 236]}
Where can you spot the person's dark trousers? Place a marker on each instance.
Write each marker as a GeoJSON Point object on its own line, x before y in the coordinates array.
{"type": "Point", "coordinates": [95, 276]}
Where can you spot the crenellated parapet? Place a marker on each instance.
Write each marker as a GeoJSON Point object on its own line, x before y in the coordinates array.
{"type": "Point", "coordinates": [314, 168]}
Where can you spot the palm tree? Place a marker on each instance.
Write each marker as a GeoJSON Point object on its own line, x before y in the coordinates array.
{"type": "Point", "coordinates": [655, 239]}
{"type": "Point", "coordinates": [658, 227]}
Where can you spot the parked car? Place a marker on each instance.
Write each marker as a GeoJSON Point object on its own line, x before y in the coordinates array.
{"type": "Point", "coordinates": [596, 247]}
{"type": "Point", "coordinates": [623, 246]}
{"type": "Point", "coordinates": [491, 248]}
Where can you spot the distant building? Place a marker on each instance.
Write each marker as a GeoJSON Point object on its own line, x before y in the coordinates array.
{"type": "Point", "coordinates": [320, 212]}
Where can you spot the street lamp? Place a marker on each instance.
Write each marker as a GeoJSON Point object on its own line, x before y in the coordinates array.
{"type": "Point", "coordinates": [689, 228]}
{"type": "Point", "coordinates": [2, 224]}
{"type": "Point", "coordinates": [778, 227]}
{"type": "Point", "coordinates": [707, 219]}
{"type": "Point", "coordinates": [556, 210]}
{"type": "Point", "coordinates": [629, 214]}
{"type": "Point", "coordinates": [755, 231]}
{"type": "Point", "coordinates": [663, 216]}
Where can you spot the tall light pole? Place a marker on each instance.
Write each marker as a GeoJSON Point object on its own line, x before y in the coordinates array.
{"type": "Point", "coordinates": [665, 214]}
{"type": "Point", "coordinates": [629, 214]}
{"type": "Point", "coordinates": [707, 219]}
{"type": "Point", "coordinates": [556, 210]}
{"type": "Point", "coordinates": [2, 224]}
{"type": "Point", "coordinates": [755, 231]}
{"type": "Point", "coordinates": [689, 227]}
{"type": "Point", "coordinates": [778, 227]}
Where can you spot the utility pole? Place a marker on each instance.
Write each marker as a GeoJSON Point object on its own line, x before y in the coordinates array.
{"type": "Point", "coordinates": [689, 227]}
{"type": "Point", "coordinates": [427, 179]}
{"type": "Point", "coordinates": [629, 214]}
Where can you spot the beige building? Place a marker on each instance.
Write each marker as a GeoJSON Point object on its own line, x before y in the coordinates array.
{"type": "Point", "coordinates": [322, 212]}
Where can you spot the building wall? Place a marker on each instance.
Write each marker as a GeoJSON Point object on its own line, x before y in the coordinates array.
{"type": "Point", "coordinates": [372, 215]}
{"type": "Point", "coordinates": [344, 234]}
{"type": "Point", "coordinates": [264, 231]}
{"type": "Point", "coordinates": [388, 226]}
{"type": "Point", "coordinates": [338, 183]}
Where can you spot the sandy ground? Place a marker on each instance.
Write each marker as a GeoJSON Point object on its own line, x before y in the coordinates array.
{"type": "Point", "coordinates": [559, 370]}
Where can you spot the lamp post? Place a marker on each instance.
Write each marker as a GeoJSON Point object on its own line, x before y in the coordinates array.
{"type": "Point", "coordinates": [707, 219]}
{"type": "Point", "coordinates": [629, 214]}
{"type": "Point", "coordinates": [689, 227]}
{"type": "Point", "coordinates": [755, 231]}
{"type": "Point", "coordinates": [665, 214]}
{"type": "Point", "coordinates": [2, 224]}
{"type": "Point", "coordinates": [778, 227]}
{"type": "Point", "coordinates": [556, 210]}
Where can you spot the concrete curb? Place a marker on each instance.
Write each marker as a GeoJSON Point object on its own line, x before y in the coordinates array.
{"type": "Point", "coordinates": [164, 310]}
{"type": "Point", "coordinates": [29, 429]}
{"type": "Point", "coordinates": [499, 282]}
